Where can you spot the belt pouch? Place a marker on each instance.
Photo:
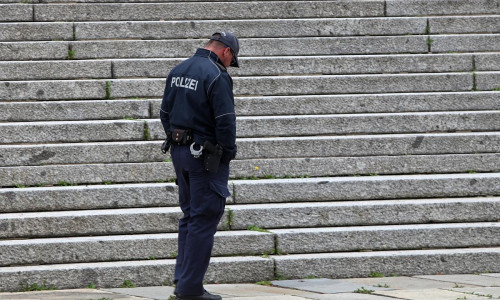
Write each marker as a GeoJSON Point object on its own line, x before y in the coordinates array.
{"type": "Point", "coordinates": [181, 136]}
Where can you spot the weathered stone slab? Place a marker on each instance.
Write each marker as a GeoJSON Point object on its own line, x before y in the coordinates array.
{"type": "Point", "coordinates": [90, 222]}
{"type": "Point", "coordinates": [53, 198]}
{"type": "Point", "coordinates": [250, 28]}
{"type": "Point", "coordinates": [396, 237]}
{"type": "Point", "coordinates": [254, 47]}
{"type": "Point", "coordinates": [16, 12]}
{"type": "Point", "coordinates": [141, 273]}
{"type": "Point", "coordinates": [487, 61]}
{"type": "Point", "coordinates": [488, 81]}
{"type": "Point", "coordinates": [342, 84]}
{"type": "Point", "coordinates": [323, 285]}
{"type": "Point", "coordinates": [265, 126]}
{"type": "Point", "coordinates": [124, 247]}
{"type": "Point", "coordinates": [198, 10]}
{"type": "Point", "coordinates": [74, 110]}
{"type": "Point", "coordinates": [294, 167]}
{"type": "Point", "coordinates": [303, 65]}
{"type": "Point", "coordinates": [311, 85]}
{"type": "Point", "coordinates": [365, 188]}
{"type": "Point", "coordinates": [363, 103]}
{"type": "Point", "coordinates": [87, 174]}
{"type": "Point", "coordinates": [441, 7]}
{"type": "Point", "coordinates": [36, 31]}
{"type": "Point", "coordinates": [344, 265]}
{"type": "Point", "coordinates": [52, 90]}
{"type": "Point", "coordinates": [144, 151]}
{"type": "Point", "coordinates": [465, 43]}
{"type": "Point", "coordinates": [33, 50]}
{"type": "Point", "coordinates": [429, 294]}
{"type": "Point", "coordinates": [363, 213]}
{"type": "Point", "coordinates": [469, 24]}
{"type": "Point", "coordinates": [52, 70]}
{"type": "Point", "coordinates": [71, 131]}
{"type": "Point", "coordinates": [473, 279]}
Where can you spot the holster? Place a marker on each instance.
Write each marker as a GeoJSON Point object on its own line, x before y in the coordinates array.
{"type": "Point", "coordinates": [213, 154]}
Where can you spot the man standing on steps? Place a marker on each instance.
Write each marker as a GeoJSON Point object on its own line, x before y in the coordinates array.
{"type": "Point", "coordinates": [197, 114]}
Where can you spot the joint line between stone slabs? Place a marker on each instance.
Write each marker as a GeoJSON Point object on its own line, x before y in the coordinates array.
{"type": "Point", "coordinates": [32, 13]}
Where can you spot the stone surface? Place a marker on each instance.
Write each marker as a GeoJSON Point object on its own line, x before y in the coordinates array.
{"type": "Point", "coordinates": [342, 265]}
{"type": "Point", "coordinates": [53, 70]}
{"type": "Point", "coordinates": [16, 12]}
{"type": "Point", "coordinates": [76, 294]}
{"type": "Point", "coordinates": [250, 28]}
{"type": "Point", "coordinates": [487, 61]}
{"type": "Point", "coordinates": [124, 247]}
{"type": "Point", "coordinates": [254, 47]}
{"type": "Point", "coordinates": [490, 292]}
{"type": "Point", "coordinates": [255, 291]}
{"type": "Point", "coordinates": [325, 146]}
{"type": "Point", "coordinates": [302, 167]}
{"type": "Point", "coordinates": [141, 273]}
{"type": "Point", "coordinates": [469, 24]}
{"type": "Point", "coordinates": [488, 81]}
{"type": "Point", "coordinates": [365, 188]}
{"type": "Point", "coordinates": [325, 214]}
{"type": "Point", "coordinates": [74, 110]}
{"type": "Point", "coordinates": [150, 292]}
{"type": "Point", "coordinates": [71, 131]}
{"type": "Point", "coordinates": [90, 222]}
{"type": "Point", "coordinates": [52, 90]}
{"type": "Point", "coordinates": [477, 280]}
{"type": "Point", "coordinates": [302, 65]}
{"type": "Point", "coordinates": [399, 237]}
{"type": "Point", "coordinates": [264, 126]}
{"type": "Point", "coordinates": [404, 283]}
{"type": "Point", "coordinates": [441, 7]}
{"type": "Point", "coordinates": [88, 197]}
{"type": "Point", "coordinates": [323, 285]}
{"type": "Point", "coordinates": [33, 50]}
{"type": "Point", "coordinates": [465, 43]}
{"type": "Point", "coordinates": [435, 294]}
{"type": "Point", "coordinates": [320, 84]}
{"type": "Point", "coordinates": [36, 31]}
{"type": "Point", "coordinates": [364, 103]}
{"type": "Point", "coordinates": [197, 11]}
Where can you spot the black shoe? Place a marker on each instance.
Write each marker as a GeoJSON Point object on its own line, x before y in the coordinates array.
{"type": "Point", "coordinates": [206, 296]}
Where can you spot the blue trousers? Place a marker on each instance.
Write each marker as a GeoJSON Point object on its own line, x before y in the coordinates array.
{"type": "Point", "coordinates": [202, 198]}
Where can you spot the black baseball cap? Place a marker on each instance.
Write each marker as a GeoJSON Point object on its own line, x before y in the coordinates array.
{"type": "Point", "coordinates": [230, 40]}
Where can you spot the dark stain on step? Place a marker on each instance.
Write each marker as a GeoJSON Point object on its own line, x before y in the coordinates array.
{"type": "Point", "coordinates": [417, 142]}
{"type": "Point", "coordinates": [42, 156]}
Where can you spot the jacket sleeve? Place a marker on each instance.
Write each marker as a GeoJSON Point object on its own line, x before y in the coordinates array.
{"type": "Point", "coordinates": [164, 117]}
{"type": "Point", "coordinates": [222, 102]}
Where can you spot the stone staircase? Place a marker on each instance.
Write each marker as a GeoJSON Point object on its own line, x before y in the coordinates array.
{"type": "Point", "coordinates": [368, 135]}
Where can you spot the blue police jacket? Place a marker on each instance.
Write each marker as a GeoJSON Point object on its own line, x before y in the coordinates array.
{"type": "Point", "coordinates": [199, 96]}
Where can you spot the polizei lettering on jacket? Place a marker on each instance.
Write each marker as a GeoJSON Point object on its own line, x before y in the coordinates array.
{"type": "Point", "coordinates": [187, 83]}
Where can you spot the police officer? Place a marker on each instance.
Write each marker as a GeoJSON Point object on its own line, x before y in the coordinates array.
{"type": "Point", "coordinates": [197, 114]}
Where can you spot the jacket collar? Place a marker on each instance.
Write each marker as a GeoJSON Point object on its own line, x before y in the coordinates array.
{"type": "Point", "coordinates": [207, 53]}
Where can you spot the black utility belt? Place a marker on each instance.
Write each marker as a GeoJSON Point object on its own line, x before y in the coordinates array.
{"type": "Point", "coordinates": [182, 137]}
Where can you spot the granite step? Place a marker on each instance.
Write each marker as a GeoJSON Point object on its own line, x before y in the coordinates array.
{"type": "Point", "coordinates": [265, 168]}
{"type": "Point", "coordinates": [251, 86]}
{"type": "Point", "coordinates": [291, 215]}
{"type": "Point", "coordinates": [363, 213]}
{"type": "Point", "coordinates": [464, 43]}
{"type": "Point", "coordinates": [259, 148]}
{"type": "Point", "coordinates": [257, 106]}
{"type": "Point", "coordinates": [142, 273]}
{"type": "Point", "coordinates": [402, 263]}
{"type": "Point", "coordinates": [257, 28]}
{"type": "Point", "coordinates": [440, 7]}
{"type": "Point", "coordinates": [464, 24]}
{"type": "Point", "coordinates": [124, 247]}
{"type": "Point", "coordinates": [182, 48]}
{"type": "Point", "coordinates": [389, 237]}
{"type": "Point", "coordinates": [252, 127]}
{"type": "Point", "coordinates": [251, 66]}
{"type": "Point", "coordinates": [282, 190]}
{"type": "Point", "coordinates": [198, 10]}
